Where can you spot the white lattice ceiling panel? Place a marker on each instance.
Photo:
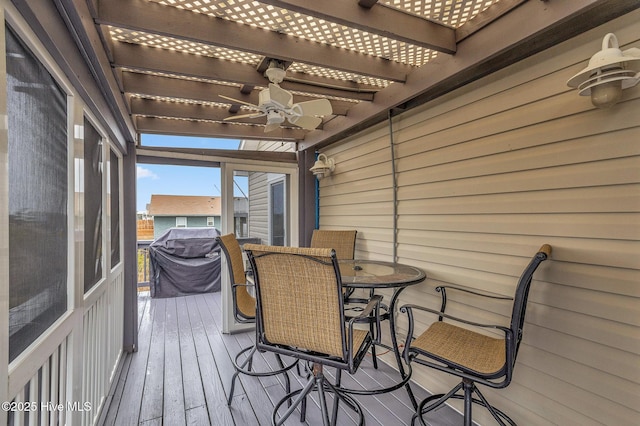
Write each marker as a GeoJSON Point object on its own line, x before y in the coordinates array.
{"type": "Point", "coordinates": [449, 12]}
{"type": "Point", "coordinates": [163, 42]}
{"type": "Point", "coordinates": [253, 13]}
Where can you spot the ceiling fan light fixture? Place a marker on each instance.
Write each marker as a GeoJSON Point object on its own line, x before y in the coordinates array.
{"type": "Point", "coordinates": [277, 104]}
{"type": "Point", "coordinates": [274, 117]}
{"type": "Point", "coordinates": [276, 72]}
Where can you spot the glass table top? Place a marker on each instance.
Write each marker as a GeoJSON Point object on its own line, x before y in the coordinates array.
{"type": "Point", "coordinates": [375, 273]}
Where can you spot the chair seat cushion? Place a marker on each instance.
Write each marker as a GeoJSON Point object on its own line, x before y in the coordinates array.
{"type": "Point", "coordinates": [358, 338]}
{"type": "Point", "coordinates": [245, 303]}
{"type": "Point", "coordinates": [463, 347]}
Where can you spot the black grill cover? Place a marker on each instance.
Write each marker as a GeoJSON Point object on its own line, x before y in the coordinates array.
{"type": "Point", "coordinates": [185, 261]}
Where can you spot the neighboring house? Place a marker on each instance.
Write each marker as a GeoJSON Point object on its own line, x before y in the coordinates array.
{"type": "Point", "coordinates": [192, 211]}
{"type": "Point", "coordinates": [183, 211]}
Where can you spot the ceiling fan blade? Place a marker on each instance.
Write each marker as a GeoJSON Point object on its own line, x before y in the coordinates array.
{"type": "Point", "coordinates": [252, 115]}
{"type": "Point", "coordinates": [271, 127]}
{"type": "Point", "coordinates": [306, 122]}
{"type": "Point", "coordinates": [279, 95]}
{"type": "Point", "coordinates": [316, 107]}
{"type": "Point", "coordinates": [238, 101]}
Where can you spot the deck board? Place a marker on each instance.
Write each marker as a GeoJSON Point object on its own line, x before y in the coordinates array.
{"type": "Point", "coordinates": [181, 375]}
{"type": "Point", "coordinates": [191, 379]}
{"type": "Point", "coordinates": [153, 392]}
{"type": "Point", "coordinates": [173, 412]}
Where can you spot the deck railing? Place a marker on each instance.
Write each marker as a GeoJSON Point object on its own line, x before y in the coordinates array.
{"type": "Point", "coordinates": [65, 376]}
{"type": "Point", "coordinates": [143, 263]}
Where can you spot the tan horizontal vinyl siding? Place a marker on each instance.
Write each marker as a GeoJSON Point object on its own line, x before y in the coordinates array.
{"type": "Point", "coordinates": [360, 194]}
{"type": "Point", "coordinates": [486, 175]}
{"type": "Point", "coordinates": [258, 206]}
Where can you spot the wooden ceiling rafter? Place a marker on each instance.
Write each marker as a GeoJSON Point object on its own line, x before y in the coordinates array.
{"type": "Point", "coordinates": [167, 87]}
{"type": "Point", "coordinates": [128, 55]}
{"type": "Point", "coordinates": [382, 20]}
{"type": "Point", "coordinates": [151, 17]}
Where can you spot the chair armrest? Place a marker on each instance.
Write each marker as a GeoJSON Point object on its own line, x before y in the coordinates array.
{"type": "Point", "coordinates": [374, 302]}
{"type": "Point", "coordinates": [442, 289]}
{"type": "Point", "coordinates": [242, 285]}
{"type": "Point", "coordinates": [409, 307]}
{"type": "Point", "coordinates": [372, 306]}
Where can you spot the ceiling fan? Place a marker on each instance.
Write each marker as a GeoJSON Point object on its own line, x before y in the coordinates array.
{"type": "Point", "coordinates": [277, 104]}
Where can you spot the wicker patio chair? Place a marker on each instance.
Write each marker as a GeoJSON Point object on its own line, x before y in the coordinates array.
{"type": "Point", "coordinates": [475, 357]}
{"type": "Point", "coordinates": [301, 314]}
{"type": "Point", "coordinates": [244, 311]}
{"type": "Point", "coordinates": [344, 243]}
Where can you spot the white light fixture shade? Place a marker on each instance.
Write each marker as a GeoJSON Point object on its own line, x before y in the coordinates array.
{"type": "Point", "coordinates": [322, 167]}
{"type": "Point", "coordinates": [609, 72]}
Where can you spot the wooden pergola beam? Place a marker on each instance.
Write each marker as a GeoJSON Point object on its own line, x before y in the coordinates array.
{"type": "Point", "coordinates": [128, 55]}
{"type": "Point", "coordinates": [381, 20]}
{"type": "Point", "coordinates": [151, 155]}
{"type": "Point", "coordinates": [210, 129]}
{"type": "Point", "coordinates": [167, 87]}
{"type": "Point", "coordinates": [155, 18]}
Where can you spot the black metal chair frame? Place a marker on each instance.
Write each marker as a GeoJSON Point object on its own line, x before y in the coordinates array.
{"type": "Point", "coordinates": [498, 379]}
{"type": "Point", "coordinates": [246, 366]}
{"type": "Point", "coordinates": [359, 302]}
{"type": "Point", "coordinates": [319, 382]}
{"type": "Point", "coordinates": [373, 319]}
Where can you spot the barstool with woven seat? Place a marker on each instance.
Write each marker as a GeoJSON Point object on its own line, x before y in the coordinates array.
{"type": "Point", "coordinates": [301, 314]}
{"type": "Point", "coordinates": [244, 311]}
{"type": "Point", "coordinates": [452, 346]}
{"type": "Point", "coordinates": [344, 244]}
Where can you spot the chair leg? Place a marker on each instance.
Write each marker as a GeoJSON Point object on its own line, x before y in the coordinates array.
{"type": "Point", "coordinates": [322, 400]}
{"type": "Point", "coordinates": [320, 384]}
{"type": "Point", "coordinates": [302, 395]}
{"type": "Point", "coordinates": [246, 367]}
{"type": "Point", "coordinates": [287, 381]}
{"type": "Point", "coordinates": [469, 388]}
{"type": "Point", "coordinates": [334, 417]}
{"type": "Point", "coordinates": [240, 367]}
{"type": "Point", "coordinates": [424, 407]}
{"type": "Point", "coordinates": [233, 385]}
{"type": "Point", "coordinates": [348, 400]}
{"type": "Point", "coordinates": [496, 413]}
{"type": "Point", "coordinates": [373, 349]}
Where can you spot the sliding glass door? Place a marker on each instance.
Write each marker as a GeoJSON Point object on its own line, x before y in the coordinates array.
{"type": "Point", "coordinates": [259, 205]}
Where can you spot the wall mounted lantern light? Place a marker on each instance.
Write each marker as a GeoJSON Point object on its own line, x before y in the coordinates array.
{"type": "Point", "coordinates": [609, 72]}
{"type": "Point", "coordinates": [322, 167]}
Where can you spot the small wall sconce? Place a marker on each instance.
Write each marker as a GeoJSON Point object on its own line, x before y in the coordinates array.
{"type": "Point", "coordinates": [322, 167]}
{"type": "Point", "coordinates": [609, 72]}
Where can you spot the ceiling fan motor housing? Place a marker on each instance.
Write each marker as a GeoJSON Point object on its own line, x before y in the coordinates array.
{"type": "Point", "coordinates": [274, 117]}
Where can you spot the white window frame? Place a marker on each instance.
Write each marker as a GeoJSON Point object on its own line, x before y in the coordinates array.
{"type": "Point", "coordinates": [271, 182]}
{"type": "Point", "coordinates": [227, 170]}
{"type": "Point", "coordinates": [181, 221]}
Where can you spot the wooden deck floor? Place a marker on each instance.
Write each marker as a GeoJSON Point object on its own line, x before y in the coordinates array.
{"type": "Point", "coordinates": [182, 372]}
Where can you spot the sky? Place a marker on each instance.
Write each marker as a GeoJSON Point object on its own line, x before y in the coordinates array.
{"type": "Point", "coordinates": [178, 180]}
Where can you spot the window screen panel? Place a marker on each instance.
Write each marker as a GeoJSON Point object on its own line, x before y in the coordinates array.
{"type": "Point", "coordinates": [277, 214]}
{"type": "Point", "coordinates": [114, 198]}
{"type": "Point", "coordinates": [38, 188]}
{"type": "Point", "coordinates": [92, 205]}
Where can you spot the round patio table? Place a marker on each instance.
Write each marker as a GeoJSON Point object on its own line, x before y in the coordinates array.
{"type": "Point", "coordinates": [375, 275]}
